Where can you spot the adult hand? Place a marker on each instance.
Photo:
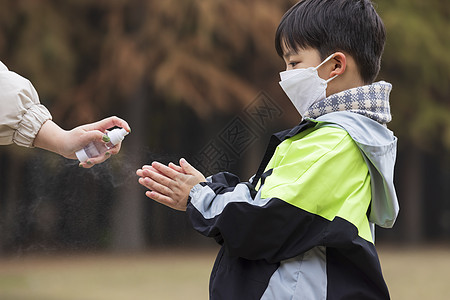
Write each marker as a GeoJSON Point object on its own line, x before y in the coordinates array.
{"type": "Point", "coordinates": [65, 143]}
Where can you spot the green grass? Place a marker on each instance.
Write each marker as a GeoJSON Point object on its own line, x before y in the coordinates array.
{"type": "Point", "coordinates": [411, 274]}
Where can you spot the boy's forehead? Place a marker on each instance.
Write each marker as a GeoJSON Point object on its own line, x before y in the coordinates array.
{"type": "Point", "coordinates": [290, 49]}
{"type": "Point", "coordinates": [289, 52]}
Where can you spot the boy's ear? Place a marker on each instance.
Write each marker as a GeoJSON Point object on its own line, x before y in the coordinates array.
{"type": "Point", "coordinates": [339, 64]}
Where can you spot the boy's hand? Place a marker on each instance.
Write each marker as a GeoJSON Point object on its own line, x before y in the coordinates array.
{"type": "Point", "coordinates": [170, 185]}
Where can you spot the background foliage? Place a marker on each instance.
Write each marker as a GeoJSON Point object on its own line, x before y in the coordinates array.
{"type": "Point", "coordinates": [178, 71]}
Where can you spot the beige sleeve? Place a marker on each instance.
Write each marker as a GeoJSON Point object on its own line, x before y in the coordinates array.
{"type": "Point", "coordinates": [21, 114]}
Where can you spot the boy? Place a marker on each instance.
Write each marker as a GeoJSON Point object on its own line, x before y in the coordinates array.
{"type": "Point", "coordinates": [302, 228]}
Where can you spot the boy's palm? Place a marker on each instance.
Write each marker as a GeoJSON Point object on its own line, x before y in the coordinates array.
{"type": "Point", "coordinates": [170, 185]}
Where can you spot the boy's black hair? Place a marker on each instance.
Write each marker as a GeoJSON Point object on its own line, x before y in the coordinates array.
{"type": "Point", "coordinates": [351, 26]}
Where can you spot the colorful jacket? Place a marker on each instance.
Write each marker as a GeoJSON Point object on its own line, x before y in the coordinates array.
{"type": "Point", "coordinates": [302, 227]}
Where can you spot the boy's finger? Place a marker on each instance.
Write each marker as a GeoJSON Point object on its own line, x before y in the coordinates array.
{"type": "Point", "coordinates": [187, 168]}
{"type": "Point", "coordinates": [176, 168]}
{"type": "Point", "coordinates": [147, 168]}
{"type": "Point", "coordinates": [169, 172]}
{"type": "Point", "coordinates": [161, 198]}
{"type": "Point", "coordinates": [140, 173]}
{"type": "Point", "coordinates": [155, 186]}
{"type": "Point", "coordinates": [152, 173]}
{"type": "Point", "coordinates": [158, 177]}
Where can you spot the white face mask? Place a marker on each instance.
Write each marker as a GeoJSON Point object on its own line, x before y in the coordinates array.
{"type": "Point", "coordinates": [304, 87]}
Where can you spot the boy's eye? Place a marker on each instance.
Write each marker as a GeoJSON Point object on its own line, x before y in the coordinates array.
{"type": "Point", "coordinates": [292, 64]}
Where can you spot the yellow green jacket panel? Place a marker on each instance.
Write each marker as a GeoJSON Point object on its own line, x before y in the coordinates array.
{"type": "Point", "coordinates": [326, 162]}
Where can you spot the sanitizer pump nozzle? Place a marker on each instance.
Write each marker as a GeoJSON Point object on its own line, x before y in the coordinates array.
{"type": "Point", "coordinates": [95, 149]}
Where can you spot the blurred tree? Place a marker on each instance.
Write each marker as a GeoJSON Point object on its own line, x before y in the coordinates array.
{"type": "Point", "coordinates": [416, 61]}
{"type": "Point", "coordinates": [156, 63]}
{"type": "Point", "coordinates": [88, 59]}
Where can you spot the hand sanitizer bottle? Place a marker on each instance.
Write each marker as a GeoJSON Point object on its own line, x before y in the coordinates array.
{"type": "Point", "coordinates": [95, 149]}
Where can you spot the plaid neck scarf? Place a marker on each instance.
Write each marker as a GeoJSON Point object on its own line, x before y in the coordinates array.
{"type": "Point", "coordinates": [370, 100]}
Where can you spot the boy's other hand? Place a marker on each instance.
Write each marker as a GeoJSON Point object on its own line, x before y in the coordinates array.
{"type": "Point", "coordinates": [170, 185]}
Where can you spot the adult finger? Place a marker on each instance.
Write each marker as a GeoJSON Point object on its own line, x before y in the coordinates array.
{"type": "Point", "coordinates": [99, 159]}
{"type": "Point", "coordinates": [109, 122]}
{"type": "Point", "coordinates": [86, 164]}
{"type": "Point", "coordinates": [93, 135]}
{"type": "Point", "coordinates": [114, 150]}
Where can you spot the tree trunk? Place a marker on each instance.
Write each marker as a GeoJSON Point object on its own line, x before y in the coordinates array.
{"type": "Point", "coordinates": [412, 193]}
{"type": "Point", "coordinates": [9, 201]}
{"type": "Point", "coordinates": [128, 226]}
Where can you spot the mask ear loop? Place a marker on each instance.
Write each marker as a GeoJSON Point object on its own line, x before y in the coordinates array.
{"type": "Point", "coordinates": [324, 61]}
{"type": "Point", "coordinates": [329, 79]}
